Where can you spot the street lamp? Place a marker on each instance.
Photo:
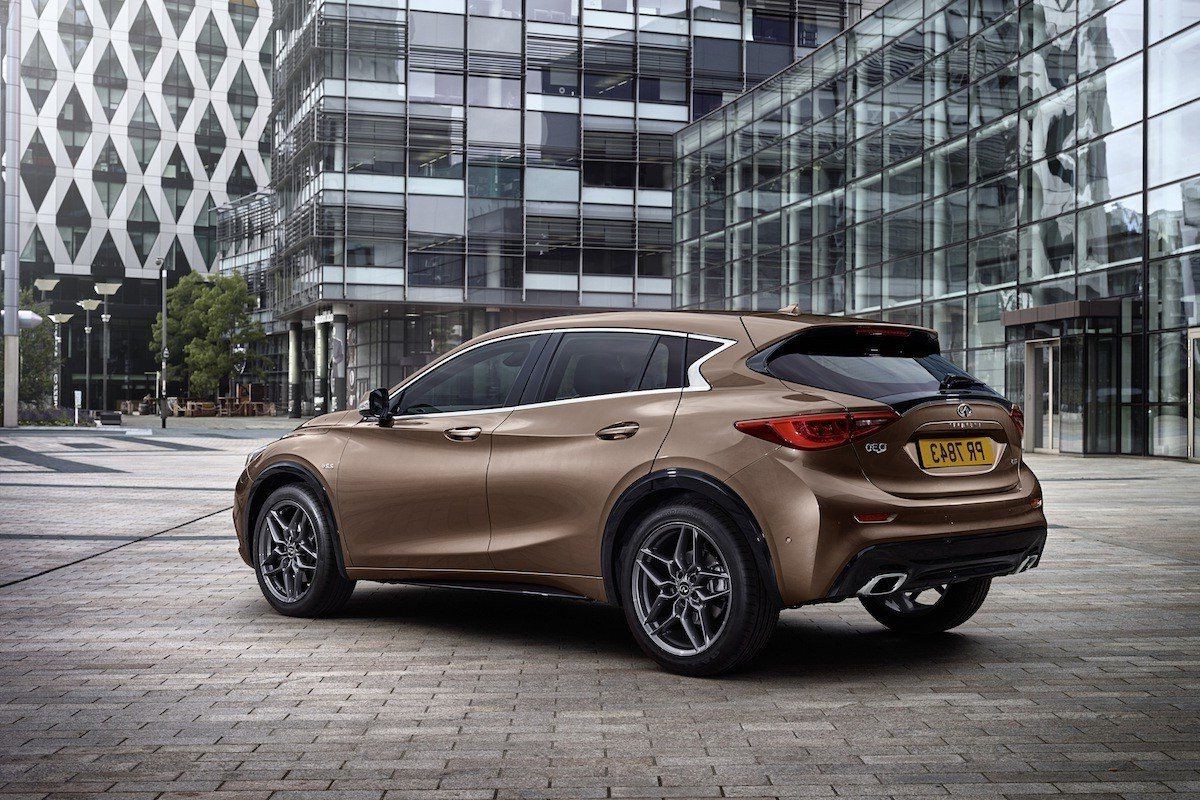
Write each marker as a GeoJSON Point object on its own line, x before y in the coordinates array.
{"type": "Point", "coordinates": [162, 375]}
{"type": "Point", "coordinates": [88, 307]}
{"type": "Point", "coordinates": [106, 290]}
{"type": "Point", "coordinates": [45, 285]}
{"type": "Point", "coordinates": [59, 320]}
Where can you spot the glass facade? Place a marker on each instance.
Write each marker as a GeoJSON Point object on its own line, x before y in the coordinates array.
{"type": "Point", "coordinates": [498, 157]}
{"type": "Point", "coordinates": [1022, 177]}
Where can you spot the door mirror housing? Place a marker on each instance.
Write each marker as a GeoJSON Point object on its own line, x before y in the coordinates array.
{"type": "Point", "coordinates": [379, 406]}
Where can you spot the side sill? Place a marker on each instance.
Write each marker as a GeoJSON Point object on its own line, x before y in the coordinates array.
{"type": "Point", "coordinates": [495, 586]}
{"type": "Point", "coordinates": [580, 587]}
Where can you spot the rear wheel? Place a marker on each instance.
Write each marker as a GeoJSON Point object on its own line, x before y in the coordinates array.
{"type": "Point", "coordinates": [691, 591]}
{"type": "Point", "coordinates": [294, 555]}
{"type": "Point", "coordinates": [926, 611]}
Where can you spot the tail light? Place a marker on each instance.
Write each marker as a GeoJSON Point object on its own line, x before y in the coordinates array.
{"type": "Point", "coordinates": [818, 431]}
{"type": "Point", "coordinates": [1018, 418]}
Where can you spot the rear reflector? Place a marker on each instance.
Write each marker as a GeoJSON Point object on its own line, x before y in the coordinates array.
{"type": "Point", "coordinates": [874, 517]}
{"type": "Point", "coordinates": [818, 431]}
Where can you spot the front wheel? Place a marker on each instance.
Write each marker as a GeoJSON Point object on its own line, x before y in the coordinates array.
{"type": "Point", "coordinates": [294, 555]}
{"type": "Point", "coordinates": [691, 591]}
{"type": "Point", "coordinates": [926, 611]}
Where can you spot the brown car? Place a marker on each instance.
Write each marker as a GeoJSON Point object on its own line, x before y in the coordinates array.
{"type": "Point", "coordinates": [699, 470]}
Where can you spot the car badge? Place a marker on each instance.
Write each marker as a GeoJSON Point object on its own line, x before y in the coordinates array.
{"type": "Point", "coordinates": [963, 410]}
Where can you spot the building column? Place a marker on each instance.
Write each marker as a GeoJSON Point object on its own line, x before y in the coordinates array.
{"type": "Point", "coordinates": [337, 358]}
{"type": "Point", "coordinates": [321, 366]}
{"type": "Point", "coordinates": [295, 329]}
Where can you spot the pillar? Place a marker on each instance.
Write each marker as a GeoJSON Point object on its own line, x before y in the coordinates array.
{"type": "Point", "coordinates": [337, 358]}
{"type": "Point", "coordinates": [321, 367]}
{"type": "Point", "coordinates": [294, 341]}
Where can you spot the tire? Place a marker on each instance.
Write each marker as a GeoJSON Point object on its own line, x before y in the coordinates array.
{"type": "Point", "coordinates": [729, 613]}
{"type": "Point", "coordinates": [294, 555]}
{"type": "Point", "coordinates": [904, 612]}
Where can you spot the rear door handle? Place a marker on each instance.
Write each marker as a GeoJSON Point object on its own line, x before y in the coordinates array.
{"type": "Point", "coordinates": [463, 434]}
{"type": "Point", "coordinates": [620, 430]}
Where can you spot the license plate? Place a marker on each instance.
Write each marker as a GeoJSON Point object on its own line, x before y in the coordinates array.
{"type": "Point", "coordinates": [944, 453]}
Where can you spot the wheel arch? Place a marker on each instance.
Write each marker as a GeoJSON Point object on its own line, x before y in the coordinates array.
{"type": "Point", "coordinates": [283, 473]}
{"type": "Point", "coordinates": [658, 487]}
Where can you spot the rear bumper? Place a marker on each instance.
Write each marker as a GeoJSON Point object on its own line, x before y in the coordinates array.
{"type": "Point", "coordinates": [934, 561]}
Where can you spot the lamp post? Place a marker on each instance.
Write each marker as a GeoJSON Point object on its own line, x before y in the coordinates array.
{"type": "Point", "coordinates": [59, 320]}
{"type": "Point", "coordinates": [88, 307]}
{"type": "Point", "coordinates": [162, 375]}
{"type": "Point", "coordinates": [45, 285]}
{"type": "Point", "coordinates": [106, 290]}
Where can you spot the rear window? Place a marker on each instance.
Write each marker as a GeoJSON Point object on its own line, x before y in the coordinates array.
{"type": "Point", "coordinates": [873, 362]}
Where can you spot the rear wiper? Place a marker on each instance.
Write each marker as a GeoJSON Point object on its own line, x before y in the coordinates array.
{"type": "Point", "coordinates": [953, 381]}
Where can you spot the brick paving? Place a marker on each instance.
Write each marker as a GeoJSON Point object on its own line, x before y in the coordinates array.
{"type": "Point", "coordinates": [157, 670]}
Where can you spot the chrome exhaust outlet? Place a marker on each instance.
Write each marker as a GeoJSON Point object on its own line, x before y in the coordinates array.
{"type": "Point", "coordinates": [1029, 563]}
{"type": "Point", "coordinates": [883, 583]}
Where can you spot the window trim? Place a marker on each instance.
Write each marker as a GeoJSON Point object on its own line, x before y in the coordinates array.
{"type": "Point", "coordinates": [694, 381]}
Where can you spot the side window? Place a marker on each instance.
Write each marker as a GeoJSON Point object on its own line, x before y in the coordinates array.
{"type": "Point", "coordinates": [591, 364]}
{"type": "Point", "coordinates": [481, 378]}
{"type": "Point", "coordinates": [665, 370]}
{"type": "Point", "coordinates": [698, 349]}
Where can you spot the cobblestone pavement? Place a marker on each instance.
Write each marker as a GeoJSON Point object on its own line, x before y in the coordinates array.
{"type": "Point", "coordinates": [157, 669]}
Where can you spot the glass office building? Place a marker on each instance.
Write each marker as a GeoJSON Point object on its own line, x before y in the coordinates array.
{"type": "Point", "coordinates": [443, 167]}
{"type": "Point", "coordinates": [1022, 177]}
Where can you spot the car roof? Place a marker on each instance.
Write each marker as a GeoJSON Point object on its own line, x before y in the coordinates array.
{"type": "Point", "coordinates": [760, 328]}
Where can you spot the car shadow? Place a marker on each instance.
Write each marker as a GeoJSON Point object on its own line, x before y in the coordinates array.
{"type": "Point", "coordinates": [814, 643]}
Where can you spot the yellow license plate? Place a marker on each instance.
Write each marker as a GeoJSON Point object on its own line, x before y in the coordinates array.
{"type": "Point", "coordinates": [944, 453]}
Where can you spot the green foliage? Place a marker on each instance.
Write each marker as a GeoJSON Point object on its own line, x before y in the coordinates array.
{"type": "Point", "coordinates": [208, 320]}
{"type": "Point", "coordinates": [36, 386]}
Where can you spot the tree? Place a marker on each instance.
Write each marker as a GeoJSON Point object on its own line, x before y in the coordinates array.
{"type": "Point", "coordinates": [38, 364]}
{"type": "Point", "coordinates": [208, 323]}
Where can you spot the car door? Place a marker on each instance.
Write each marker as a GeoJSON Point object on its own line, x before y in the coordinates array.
{"type": "Point", "coordinates": [414, 495]}
{"type": "Point", "coordinates": [596, 420]}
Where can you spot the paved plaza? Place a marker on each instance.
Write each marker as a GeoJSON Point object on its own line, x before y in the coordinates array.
{"type": "Point", "coordinates": [138, 659]}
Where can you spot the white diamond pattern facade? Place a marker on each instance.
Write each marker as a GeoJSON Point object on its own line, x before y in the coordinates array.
{"type": "Point", "coordinates": [139, 117]}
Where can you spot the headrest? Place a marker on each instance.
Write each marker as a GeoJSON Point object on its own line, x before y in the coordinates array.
{"type": "Point", "coordinates": [596, 373]}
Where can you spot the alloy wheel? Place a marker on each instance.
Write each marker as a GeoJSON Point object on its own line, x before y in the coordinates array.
{"type": "Point", "coordinates": [287, 550]}
{"type": "Point", "coordinates": [681, 589]}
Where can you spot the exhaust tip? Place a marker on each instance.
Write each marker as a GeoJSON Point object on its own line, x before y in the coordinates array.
{"type": "Point", "coordinates": [883, 583]}
{"type": "Point", "coordinates": [1029, 563]}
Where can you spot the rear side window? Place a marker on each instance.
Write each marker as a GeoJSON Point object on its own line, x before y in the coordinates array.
{"type": "Point", "coordinates": [873, 362]}
{"type": "Point", "coordinates": [665, 370]}
{"type": "Point", "coordinates": [593, 364]}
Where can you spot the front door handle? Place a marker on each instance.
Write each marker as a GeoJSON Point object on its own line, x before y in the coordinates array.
{"type": "Point", "coordinates": [621, 430]}
{"type": "Point", "coordinates": [463, 434]}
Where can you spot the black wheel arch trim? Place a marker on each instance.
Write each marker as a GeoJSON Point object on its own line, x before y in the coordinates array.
{"type": "Point", "coordinates": [695, 482]}
{"type": "Point", "coordinates": [266, 481]}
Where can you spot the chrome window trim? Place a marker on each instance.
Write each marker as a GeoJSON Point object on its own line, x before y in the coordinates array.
{"type": "Point", "coordinates": [695, 381]}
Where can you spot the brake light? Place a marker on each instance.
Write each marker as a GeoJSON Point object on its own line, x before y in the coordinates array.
{"type": "Point", "coordinates": [818, 431]}
{"type": "Point", "coordinates": [876, 330]}
{"type": "Point", "coordinates": [1018, 418]}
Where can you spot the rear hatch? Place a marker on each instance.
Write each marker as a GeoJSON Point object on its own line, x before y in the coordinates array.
{"type": "Point", "coordinates": [953, 434]}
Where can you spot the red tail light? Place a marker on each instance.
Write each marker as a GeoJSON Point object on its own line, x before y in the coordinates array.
{"type": "Point", "coordinates": [1018, 418]}
{"type": "Point", "coordinates": [818, 431]}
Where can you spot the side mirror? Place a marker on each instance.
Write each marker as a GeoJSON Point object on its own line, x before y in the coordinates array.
{"type": "Point", "coordinates": [379, 406]}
